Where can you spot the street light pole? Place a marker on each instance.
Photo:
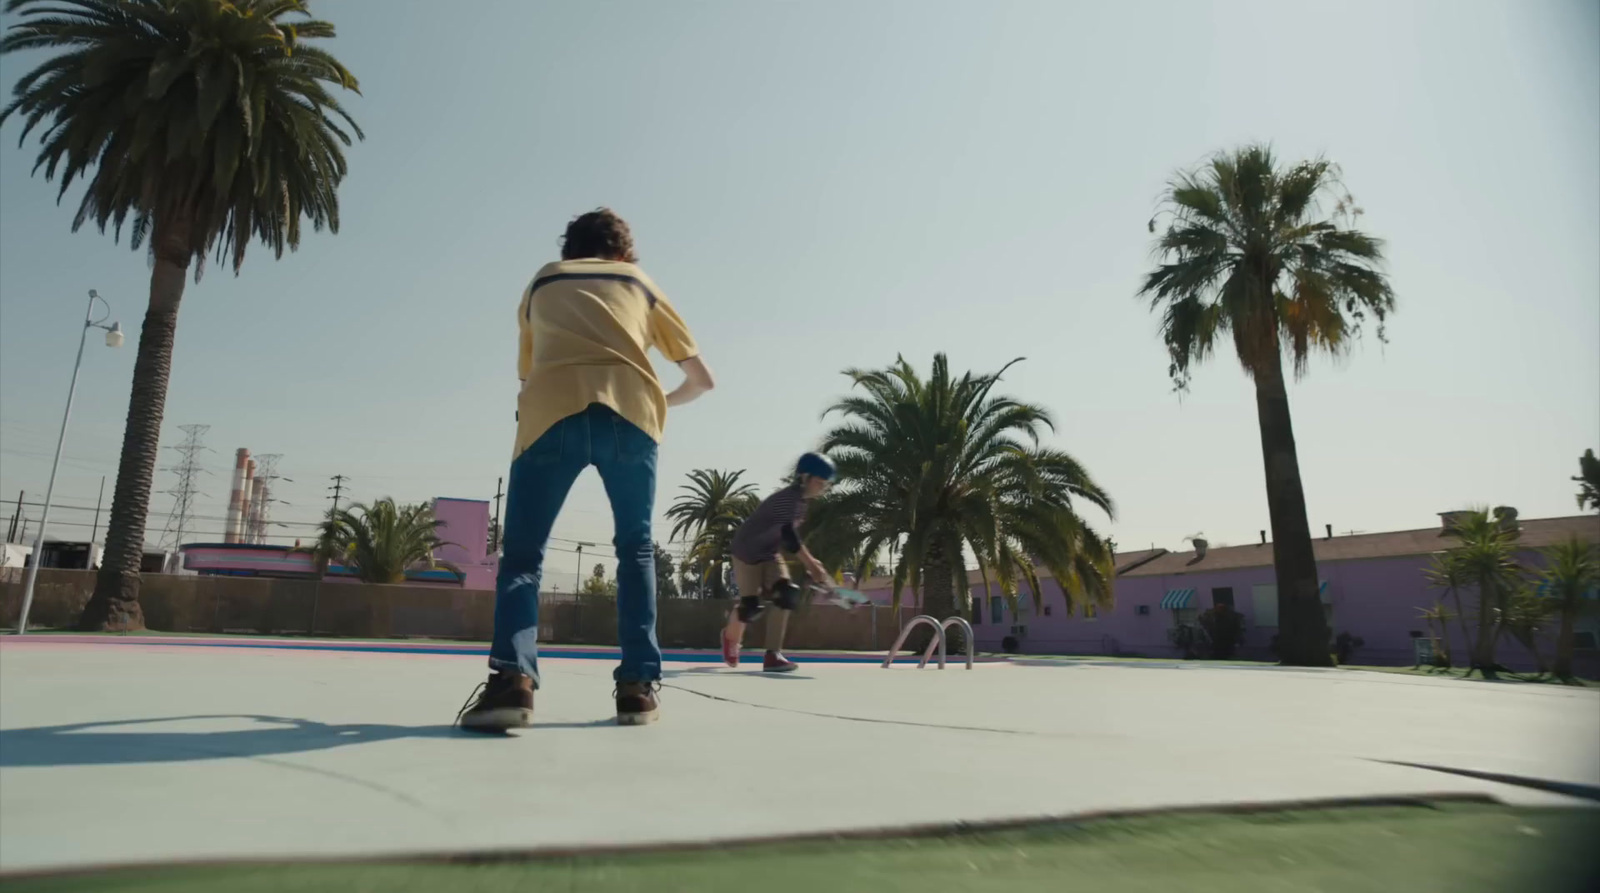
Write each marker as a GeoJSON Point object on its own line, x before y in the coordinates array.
{"type": "Point", "coordinates": [113, 339]}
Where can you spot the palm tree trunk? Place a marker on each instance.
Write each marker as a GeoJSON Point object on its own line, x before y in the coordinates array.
{"type": "Point", "coordinates": [939, 592]}
{"type": "Point", "coordinates": [1565, 640]}
{"type": "Point", "coordinates": [115, 603]}
{"type": "Point", "coordinates": [1483, 648]}
{"type": "Point", "coordinates": [1461, 617]}
{"type": "Point", "coordinates": [1303, 638]}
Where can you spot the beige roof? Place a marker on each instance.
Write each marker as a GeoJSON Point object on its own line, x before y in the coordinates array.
{"type": "Point", "coordinates": [1536, 533]}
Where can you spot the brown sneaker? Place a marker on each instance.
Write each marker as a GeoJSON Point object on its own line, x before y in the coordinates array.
{"type": "Point", "coordinates": [504, 702]}
{"type": "Point", "coordinates": [637, 704]}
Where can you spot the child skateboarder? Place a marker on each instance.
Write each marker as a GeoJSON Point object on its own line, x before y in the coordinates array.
{"type": "Point", "coordinates": [758, 567]}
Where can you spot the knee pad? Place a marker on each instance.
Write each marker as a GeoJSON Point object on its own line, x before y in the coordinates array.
{"type": "Point", "coordinates": [749, 608]}
{"type": "Point", "coordinates": [786, 595]}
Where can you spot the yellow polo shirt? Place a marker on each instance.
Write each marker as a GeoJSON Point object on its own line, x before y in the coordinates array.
{"type": "Point", "coordinates": [586, 329]}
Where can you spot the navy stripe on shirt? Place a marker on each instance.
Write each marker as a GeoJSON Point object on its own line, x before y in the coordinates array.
{"type": "Point", "coordinates": [606, 277]}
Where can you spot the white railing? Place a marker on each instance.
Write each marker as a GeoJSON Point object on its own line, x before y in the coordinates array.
{"type": "Point", "coordinates": [939, 639]}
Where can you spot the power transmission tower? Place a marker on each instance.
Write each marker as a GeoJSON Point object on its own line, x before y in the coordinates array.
{"type": "Point", "coordinates": [187, 485]}
{"type": "Point", "coordinates": [261, 508]}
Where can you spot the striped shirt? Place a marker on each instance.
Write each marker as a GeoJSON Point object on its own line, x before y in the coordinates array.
{"type": "Point", "coordinates": [773, 526]}
{"type": "Point", "coordinates": [586, 328]}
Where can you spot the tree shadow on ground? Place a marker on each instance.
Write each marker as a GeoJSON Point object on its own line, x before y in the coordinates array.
{"type": "Point", "coordinates": [146, 741]}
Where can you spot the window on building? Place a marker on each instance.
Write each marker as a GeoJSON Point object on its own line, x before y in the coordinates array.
{"type": "Point", "coordinates": [1222, 595]}
{"type": "Point", "coordinates": [977, 610]}
{"type": "Point", "coordinates": [1264, 601]}
{"type": "Point", "coordinates": [997, 609]}
{"type": "Point", "coordinates": [1091, 611]}
{"type": "Point", "coordinates": [1187, 617]}
{"type": "Point", "coordinates": [1047, 610]}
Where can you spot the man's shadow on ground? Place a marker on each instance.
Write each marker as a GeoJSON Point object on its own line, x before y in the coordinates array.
{"type": "Point", "coordinates": [116, 743]}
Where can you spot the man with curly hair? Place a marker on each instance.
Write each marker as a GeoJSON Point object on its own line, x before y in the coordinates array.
{"type": "Point", "coordinates": [589, 397]}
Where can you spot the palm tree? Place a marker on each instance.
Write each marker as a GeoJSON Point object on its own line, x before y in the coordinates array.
{"type": "Point", "coordinates": [381, 541]}
{"type": "Point", "coordinates": [1485, 559]}
{"type": "Point", "coordinates": [1524, 619]}
{"type": "Point", "coordinates": [708, 515]}
{"type": "Point", "coordinates": [941, 466]}
{"type": "Point", "coordinates": [1571, 572]}
{"type": "Point", "coordinates": [209, 124]}
{"type": "Point", "coordinates": [1250, 253]}
{"type": "Point", "coordinates": [1588, 481]}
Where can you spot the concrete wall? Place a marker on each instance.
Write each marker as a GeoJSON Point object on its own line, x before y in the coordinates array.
{"type": "Point", "coordinates": [186, 603]}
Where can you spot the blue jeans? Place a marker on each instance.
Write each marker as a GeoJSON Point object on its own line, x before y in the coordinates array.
{"type": "Point", "coordinates": [540, 479]}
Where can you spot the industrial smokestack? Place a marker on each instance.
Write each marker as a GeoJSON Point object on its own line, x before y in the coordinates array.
{"type": "Point", "coordinates": [230, 530]}
{"type": "Point", "coordinates": [247, 505]}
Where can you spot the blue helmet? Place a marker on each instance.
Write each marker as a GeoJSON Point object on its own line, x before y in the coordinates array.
{"type": "Point", "coordinates": [815, 464]}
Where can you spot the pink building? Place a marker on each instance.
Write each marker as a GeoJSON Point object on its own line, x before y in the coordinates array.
{"type": "Point", "coordinates": [1373, 587]}
{"type": "Point", "coordinates": [464, 527]}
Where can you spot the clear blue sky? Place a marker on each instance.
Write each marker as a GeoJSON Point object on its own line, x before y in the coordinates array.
{"type": "Point", "coordinates": [827, 184]}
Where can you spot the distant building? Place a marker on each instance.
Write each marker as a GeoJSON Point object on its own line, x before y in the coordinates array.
{"type": "Point", "coordinates": [1373, 587]}
{"type": "Point", "coordinates": [464, 527]}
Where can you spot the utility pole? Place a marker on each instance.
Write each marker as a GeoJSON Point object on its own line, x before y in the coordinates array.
{"type": "Point", "coordinates": [95, 530]}
{"type": "Point", "coordinates": [337, 488]}
{"type": "Point", "coordinates": [12, 534]}
{"type": "Point", "coordinates": [499, 491]}
{"type": "Point", "coordinates": [579, 587]}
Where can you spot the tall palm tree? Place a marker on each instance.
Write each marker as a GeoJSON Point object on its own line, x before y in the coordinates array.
{"type": "Point", "coordinates": [708, 514]}
{"type": "Point", "coordinates": [1485, 558]}
{"type": "Point", "coordinates": [1571, 573]}
{"type": "Point", "coordinates": [209, 124]}
{"type": "Point", "coordinates": [942, 466]}
{"type": "Point", "coordinates": [1251, 252]}
{"type": "Point", "coordinates": [380, 542]}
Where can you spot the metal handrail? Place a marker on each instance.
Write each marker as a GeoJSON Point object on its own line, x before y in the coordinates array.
{"type": "Point", "coordinates": [905, 632]}
{"type": "Point", "coordinates": [940, 640]}
{"type": "Point", "coordinates": [965, 628]}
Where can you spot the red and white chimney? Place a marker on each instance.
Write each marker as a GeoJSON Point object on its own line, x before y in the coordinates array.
{"type": "Point", "coordinates": [236, 500]}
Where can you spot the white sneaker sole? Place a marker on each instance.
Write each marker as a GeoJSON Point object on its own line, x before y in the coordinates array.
{"type": "Point", "coordinates": [499, 719]}
{"type": "Point", "coordinates": [637, 719]}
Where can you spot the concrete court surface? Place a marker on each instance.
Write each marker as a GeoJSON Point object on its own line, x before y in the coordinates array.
{"type": "Point", "coordinates": [114, 754]}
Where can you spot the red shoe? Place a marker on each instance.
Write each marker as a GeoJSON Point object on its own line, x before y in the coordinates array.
{"type": "Point", "coordinates": [777, 663]}
{"type": "Point", "coordinates": [730, 649]}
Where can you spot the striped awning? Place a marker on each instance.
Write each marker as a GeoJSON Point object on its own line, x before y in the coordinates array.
{"type": "Point", "coordinates": [1322, 591]}
{"type": "Point", "coordinates": [1176, 598]}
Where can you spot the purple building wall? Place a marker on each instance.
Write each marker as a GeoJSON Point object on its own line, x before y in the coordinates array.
{"type": "Point", "coordinates": [1375, 598]}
